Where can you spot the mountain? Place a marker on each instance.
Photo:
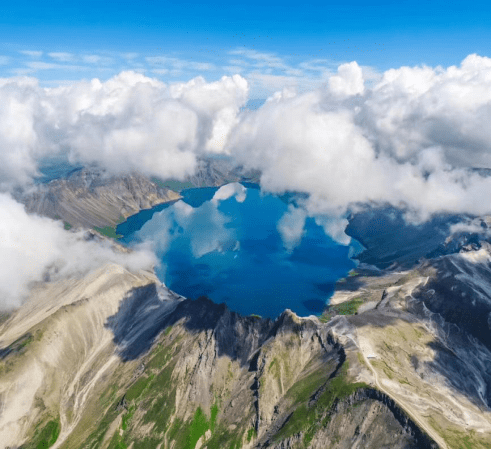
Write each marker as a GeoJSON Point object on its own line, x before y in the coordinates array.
{"type": "Point", "coordinates": [114, 359]}
{"type": "Point", "coordinates": [213, 172]}
{"type": "Point", "coordinates": [90, 197]}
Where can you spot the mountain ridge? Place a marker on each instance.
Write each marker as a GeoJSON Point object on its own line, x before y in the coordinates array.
{"type": "Point", "coordinates": [187, 358]}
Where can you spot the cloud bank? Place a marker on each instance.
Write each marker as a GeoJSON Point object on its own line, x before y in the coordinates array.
{"type": "Point", "coordinates": [34, 248]}
{"type": "Point", "coordinates": [130, 122]}
{"type": "Point", "coordinates": [405, 139]}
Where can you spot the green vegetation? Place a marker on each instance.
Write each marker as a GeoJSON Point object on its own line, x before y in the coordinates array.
{"type": "Point", "coordinates": [186, 435]}
{"type": "Point", "coordinates": [108, 396]}
{"type": "Point", "coordinates": [310, 419]}
{"type": "Point", "coordinates": [162, 356]}
{"type": "Point", "coordinates": [224, 438]}
{"type": "Point", "coordinates": [95, 439]}
{"type": "Point", "coordinates": [274, 367]}
{"type": "Point", "coordinates": [177, 186]}
{"type": "Point", "coordinates": [154, 393]}
{"type": "Point", "coordinates": [18, 345]}
{"type": "Point", "coordinates": [147, 443]}
{"type": "Point", "coordinates": [67, 225]}
{"type": "Point", "coordinates": [127, 418]}
{"type": "Point", "coordinates": [382, 365]}
{"type": "Point", "coordinates": [254, 315]}
{"type": "Point", "coordinates": [347, 308]}
{"type": "Point", "coordinates": [251, 434]}
{"type": "Point", "coordinates": [45, 437]}
{"type": "Point", "coordinates": [214, 411]}
{"type": "Point", "coordinates": [138, 387]}
{"type": "Point", "coordinates": [457, 438]}
{"type": "Point", "coordinates": [360, 358]}
{"type": "Point", "coordinates": [108, 231]}
{"type": "Point", "coordinates": [198, 427]}
{"type": "Point", "coordinates": [162, 408]}
{"type": "Point", "coordinates": [117, 442]}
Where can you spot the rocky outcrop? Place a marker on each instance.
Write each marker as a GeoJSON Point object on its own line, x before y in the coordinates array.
{"type": "Point", "coordinates": [215, 172]}
{"type": "Point", "coordinates": [116, 359]}
{"type": "Point", "coordinates": [154, 367]}
{"type": "Point", "coordinates": [90, 197]}
{"type": "Point", "coordinates": [365, 419]}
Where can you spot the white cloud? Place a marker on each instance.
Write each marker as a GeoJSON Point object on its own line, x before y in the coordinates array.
{"type": "Point", "coordinates": [335, 227]}
{"type": "Point", "coordinates": [417, 107]}
{"type": "Point", "coordinates": [32, 53]}
{"type": "Point", "coordinates": [260, 59]}
{"type": "Point", "coordinates": [349, 80]}
{"type": "Point", "coordinates": [41, 65]}
{"type": "Point", "coordinates": [177, 65]}
{"type": "Point", "coordinates": [234, 189]}
{"type": "Point", "coordinates": [97, 59]}
{"type": "Point", "coordinates": [472, 226]}
{"type": "Point", "coordinates": [291, 226]}
{"type": "Point", "coordinates": [239, 62]}
{"type": "Point", "coordinates": [161, 71]}
{"type": "Point", "coordinates": [61, 56]}
{"type": "Point", "coordinates": [33, 248]}
{"type": "Point", "coordinates": [204, 228]}
{"type": "Point", "coordinates": [322, 145]}
{"type": "Point", "coordinates": [130, 56]}
{"type": "Point", "coordinates": [19, 142]}
{"type": "Point", "coordinates": [264, 85]}
{"type": "Point", "coordinates": [316, 65]}
{"type": "Point", "coordinates": [401, 140]}
{"type": "Point", "coordinates": [130, 122]}
{"type": "Point", "coordinates": [233, 69]}
{"type": "Point", "coordinates": [217, 104]}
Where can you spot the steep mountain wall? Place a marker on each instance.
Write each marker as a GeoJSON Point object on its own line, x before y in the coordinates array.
{"type": "Point", "coordinates": [115, 360]}
{"type": "Point", "coordinates": [91, 198]}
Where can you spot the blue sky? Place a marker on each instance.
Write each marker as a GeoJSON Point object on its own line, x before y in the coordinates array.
{"type": "Point", "coordinates": [269, 43]}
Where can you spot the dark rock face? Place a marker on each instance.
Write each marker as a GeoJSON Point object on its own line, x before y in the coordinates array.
{"type": "Point", "coordinates": [460, 292]}
{"type": "Point", "coordinates": [456, 298]}
{"type": "Point", "coordinates": [365, 419]}
{"type": "Point", "coordinates": [391, 242]}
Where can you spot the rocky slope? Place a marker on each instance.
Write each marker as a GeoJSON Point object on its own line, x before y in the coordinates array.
{"type": "Point", "coordinates": [214, 172]}
{"type": "Point", "coordinates": [89, 197]}
{"type": "Point", "coordinates": [116, 360]}
{"type": "Point", "coordinates": [400, 359]}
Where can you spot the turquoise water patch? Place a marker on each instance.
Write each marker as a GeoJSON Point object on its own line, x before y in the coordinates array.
{"type": "Point", "coordinates": [226, 244]}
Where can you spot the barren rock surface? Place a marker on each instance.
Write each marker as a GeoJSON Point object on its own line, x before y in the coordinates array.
{"type": "Point", "coordinates": [91, 198]}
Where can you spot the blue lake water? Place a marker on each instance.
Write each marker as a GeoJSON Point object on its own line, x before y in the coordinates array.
{"type": "Point", "coordinates": [229, 248]}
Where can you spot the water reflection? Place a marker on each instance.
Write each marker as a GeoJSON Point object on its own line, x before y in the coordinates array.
{"type": "Point", "coordinates": [256, 252]}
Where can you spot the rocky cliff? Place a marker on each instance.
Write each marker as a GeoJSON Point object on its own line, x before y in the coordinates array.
{"type": "Point", "coordinates": [116, 360]}
{"type": "Point", "coordinates": [90, 197]}
{"type": "Point", "coordinates": [214, 172]}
